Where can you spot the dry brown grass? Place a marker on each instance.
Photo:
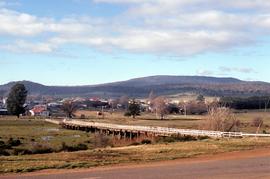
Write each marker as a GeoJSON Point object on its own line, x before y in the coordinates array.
{"type": "Point", "coordinates": [121, 155]}
{"type": "Point", "coordinates": [181, 121]}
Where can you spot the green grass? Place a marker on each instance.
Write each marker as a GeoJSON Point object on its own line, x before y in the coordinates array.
{"type": "Point", "coordinates": [33, 132]}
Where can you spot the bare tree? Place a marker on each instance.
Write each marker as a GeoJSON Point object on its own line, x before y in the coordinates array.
{"type": "Point", "coordinates": [257, 122]}
{"type": "Point", "coordinates": [221, 119]}
{"type": "Point", "coordinates": [69, 107]}
{"type": "Point", "coordinates": [124, 101]}
{"type": "Point", "coordinates": [113, 104]}
{"type": "Point", "coordinates": [160, 106]}
{"type": "Point", "coordinates": [151, 96]}
{"type": "Point", "coordinates": [195, 107]}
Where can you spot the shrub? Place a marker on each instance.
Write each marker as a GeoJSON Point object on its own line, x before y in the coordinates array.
{"type": "Point", "coordinates": [195, 108]}
{"type": "Point", "coordinates": [74, 148]}
{"type": "Point", "coordinates": [102, 141]}
{"type": "Point", "coordinates": [146, 141]}
{"type": "Point", "coordinates": [203, 137]}
{"type": "Point", "coordinates": [2, 145]}
{"type": "Point", "coordinates": [41, 149]}
{"type": "Point", "coordinates": [257, 121]}
{"type": "Point", "coordinates": [221, 119]}
{"type": "Point", "coordinates": [182, 138]}
{"type": "Point", "coordinates": [18, 151]}
{"type": "Point", "coordinates": [3, 152]}
{"type": "Point", "coordinates": [135, 143]}
{"type": "Point", "coordinates": [13, 142]}
{"type": "Point", "coordinates": [82, 116]}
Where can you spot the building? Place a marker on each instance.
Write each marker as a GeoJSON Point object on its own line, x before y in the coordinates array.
{"type": "Point", "coordinates": [3, 111]}
{"type": "Point", "coordinates": [39, 110]}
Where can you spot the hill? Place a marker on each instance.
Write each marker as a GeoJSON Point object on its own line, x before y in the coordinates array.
{"type": "Point", "coordinates": [162, 85]}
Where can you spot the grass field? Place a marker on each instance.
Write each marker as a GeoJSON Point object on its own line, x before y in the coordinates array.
{"type": "Point", "coordinates": [131, 154]}
{"type": "Point", "coordinates": [179, 121]}
{"type": "Point", "coordinates": [38, 134]}
{"type": "Point", "coordinates": [36, 131]}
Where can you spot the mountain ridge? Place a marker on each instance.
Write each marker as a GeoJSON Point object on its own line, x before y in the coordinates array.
{"type": "Point", "coordinates": [161, 84]}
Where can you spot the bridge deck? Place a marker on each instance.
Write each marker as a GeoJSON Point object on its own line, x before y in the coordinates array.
{"type": "Point", "coordinates": [159, 131]}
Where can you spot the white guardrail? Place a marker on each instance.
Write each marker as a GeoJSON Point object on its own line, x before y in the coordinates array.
{"type": "Point", "coordinates": [157, 130]}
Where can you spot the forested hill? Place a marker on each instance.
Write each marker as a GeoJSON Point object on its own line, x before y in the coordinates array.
{"type": "Point", "coordinates": [162, 85]}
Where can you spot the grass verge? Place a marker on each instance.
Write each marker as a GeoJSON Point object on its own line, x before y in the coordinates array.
{"type": "Point", "coordinates": [124, 155]}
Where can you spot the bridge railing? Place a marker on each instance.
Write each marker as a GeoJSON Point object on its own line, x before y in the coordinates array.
{"type": "Point", "coordinates": [158, 130]}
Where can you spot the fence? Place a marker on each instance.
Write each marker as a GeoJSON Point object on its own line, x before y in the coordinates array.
{"type": "Point", "coordinates": [160, 131]}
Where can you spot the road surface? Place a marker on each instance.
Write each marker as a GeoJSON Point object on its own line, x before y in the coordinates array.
{"type": "Point", "coordinates": [247, 164]}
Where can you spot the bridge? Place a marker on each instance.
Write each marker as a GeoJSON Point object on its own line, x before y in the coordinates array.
{"type": "Point", "coordinates": [131, 131]}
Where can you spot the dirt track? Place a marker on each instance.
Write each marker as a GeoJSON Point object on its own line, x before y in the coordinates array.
{"type": "Point", "coordinates": [247, 164]}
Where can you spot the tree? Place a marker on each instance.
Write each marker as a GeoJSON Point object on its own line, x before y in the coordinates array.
{"type": "Point", "coordinates": [257, 122]}
{"type": "Point", "coordinates": [200, 98]}
{"type": "Point", "coordinates": [16, 100]}
{"type": "Point", "coordinates": [197, 108]}
{"type": "Point", "coordinates": [133, 109]}
{"type": "Point", "coordinates": [221, 119]}
{"type": "Point", "coordinates": [151, 96]}
{"type": "Point", "coordinates": [160, 106]}
{"type": "Point", "coordinates": [69, 107]}
{"type": "Point", "coordinates": [124, 101]}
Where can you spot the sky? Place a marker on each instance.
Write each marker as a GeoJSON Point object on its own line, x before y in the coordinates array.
{"type": "Point", "coordinates": [84, 42]}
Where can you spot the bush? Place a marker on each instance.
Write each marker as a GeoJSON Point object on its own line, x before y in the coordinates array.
{"type": "Point", "coordinates": [41, 149]}
{"type": "Point", "coordinates": [2, 145]}
{"type": "Point", "coordinates": [196, 108]}
{"type": "Point", "coordinates": [146, 141]}
{"type": "Point", "coordinates": [182, 138]}
{"type": "Point", "coordinates": [257, 122]}
{"type": "Point", "coordinates": [82, 116]}
{"type": "Point", "coordinates": [221, 119]}
{"type": "Point", "coordinates": [203, 137]}
{"type": "Point", "coordinates": [135, 143]}
{"type": "Point", "coordinates": [102, 141]}
{"type": "Point", "coordinates": [3, 152]}
{"type": "Point", "coordinates": [74, 148]}
{"type": "Point", "coordinates": [13, 142]}
{"type": "Point", "coordinates": [18, 151]}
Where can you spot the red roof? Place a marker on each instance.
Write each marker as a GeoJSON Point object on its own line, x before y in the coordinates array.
{"type": "Point", "coordinates": [39, 108]}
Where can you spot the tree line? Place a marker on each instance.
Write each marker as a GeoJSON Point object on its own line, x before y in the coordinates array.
{"type": "Point", "coordinates": [256, 102]}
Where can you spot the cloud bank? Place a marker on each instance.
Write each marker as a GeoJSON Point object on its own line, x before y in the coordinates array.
{"type": "Point", "coordinates": [182, 28]}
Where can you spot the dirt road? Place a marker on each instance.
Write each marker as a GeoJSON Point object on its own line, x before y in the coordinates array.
{"type": "Point", "coordinates": [247, 164]}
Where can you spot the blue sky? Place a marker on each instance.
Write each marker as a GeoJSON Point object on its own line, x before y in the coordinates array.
{"type": "Point", "coordinates": [79, 42]}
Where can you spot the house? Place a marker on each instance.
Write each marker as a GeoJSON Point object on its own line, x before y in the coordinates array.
{"type": "Point", "coordinates": [39, 110]}
{"type": "Point", "coordinates": [3, 102]}
{"type": "Point", "coordinates": [3, 111]}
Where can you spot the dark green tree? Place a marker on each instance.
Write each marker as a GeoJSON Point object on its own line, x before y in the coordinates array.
{"type": "Point", "coordinates": [133, 109]}
{"type": "Point", "coordinates": [200, 98]}
{"type": "Point", "coordinates": [16, 100]}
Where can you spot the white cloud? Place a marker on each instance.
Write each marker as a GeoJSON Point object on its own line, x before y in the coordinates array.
{"type": "Point", "coordinates": [205, 72]}
{"type": "Point", "coordinates": [173, 27]}
{"type": "Point", "coordinates": [228, 70]}
{"type": "Point", "coordinates": [23, 46]}
{"type": "Point", "coordinates": [224, 71]}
